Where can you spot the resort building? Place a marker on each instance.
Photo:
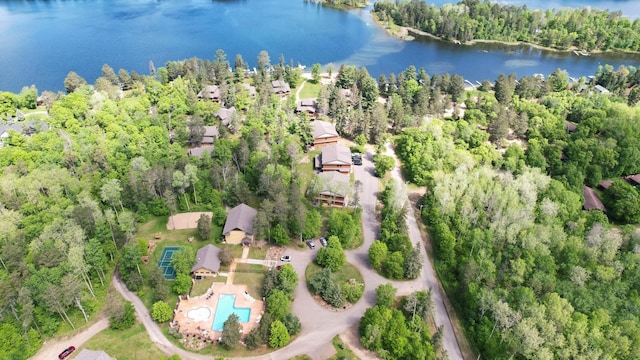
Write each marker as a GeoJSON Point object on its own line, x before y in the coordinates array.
{"type": "Point", "coordinates": [210, 92]}
{"type": "Point", "coordinates": [334, 158]}
{"type": "Point", "coordinates": [207, 262]}
{"type": "Point", "coordinates": [592, 200]}
{"type": "Point", "coordinates": [309, 106]}
{"type": "Point", "coordinates": [238, 229]}
{"type": "Point", "coordinates": [280, 87]}
{"type": "Point", "coordinates": [211, 134]}
{"type": "Point", "coordinates": [324, 134]}
{"type": "Point", "coordinates": [332, 189]}
{"type": "Point", "coordinates": [200, 150]}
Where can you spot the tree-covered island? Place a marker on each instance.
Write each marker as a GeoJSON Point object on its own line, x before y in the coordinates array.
{"type": "Point", "coordinates": [585, 29]}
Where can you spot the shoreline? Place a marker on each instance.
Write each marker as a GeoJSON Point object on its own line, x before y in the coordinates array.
{"type": "Point", "coordinates": [409, 34]}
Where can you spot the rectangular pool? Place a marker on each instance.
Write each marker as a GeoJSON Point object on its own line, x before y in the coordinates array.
{"type": "Point", "coordinates": [225, 308]}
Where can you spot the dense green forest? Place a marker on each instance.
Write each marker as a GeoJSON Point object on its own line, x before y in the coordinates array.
{"type": "Point", "coordinates": [587, 28]}
{"type": "Point", "coordinates": [534, 275]}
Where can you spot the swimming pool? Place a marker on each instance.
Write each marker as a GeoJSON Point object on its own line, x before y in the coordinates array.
{"type": "Point", "coordinates": [226, 308]}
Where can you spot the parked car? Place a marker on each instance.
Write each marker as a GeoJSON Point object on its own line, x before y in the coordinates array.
{"type": "Point", "coordinates": [311, 245]}
{"type": "Point", "coordinates": [285, 258]}
{"type": "Point", "coordinates": [66, 352]}
{"type": "Point", "coordinates": [356, 159]}
{"type": "Point", "coordinates": [323, 241]}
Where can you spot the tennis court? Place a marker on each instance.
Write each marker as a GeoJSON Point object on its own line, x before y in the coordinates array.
{"type": "Point", "coordinates": [165, 262]}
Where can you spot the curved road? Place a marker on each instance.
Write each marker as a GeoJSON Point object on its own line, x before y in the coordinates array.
{"type": "Point", "coordinates": [319, 324]}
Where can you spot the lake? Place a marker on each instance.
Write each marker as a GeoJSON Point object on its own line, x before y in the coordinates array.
{"type": "Point", "coordinates": [42, 41]}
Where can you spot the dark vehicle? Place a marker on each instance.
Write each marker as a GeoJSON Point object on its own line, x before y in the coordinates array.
{"type": "Point", "coordinates": [311, 245]}
{"type": "Point", "coordinates": [323, 241]}
{"type": "Point", "coordinates": [356, 159]}
{"type": "Point", "coordinates": [66, 352]}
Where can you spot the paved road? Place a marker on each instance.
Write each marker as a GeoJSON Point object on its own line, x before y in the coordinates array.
{"type": "Point", "coordinates": [52, 348]}
{"type": "Point", "coordinates": [427, 277]}
{"type": "Point", "coordinates": [319, 324]}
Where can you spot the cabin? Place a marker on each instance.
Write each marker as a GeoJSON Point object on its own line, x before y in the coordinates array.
{"type": "Point", "coordinates": [332, 189]}
{"type": "Point", "coordinates": [605, 184]}
{"type": "Point", "coordinates": [592, 200]}
{"type": "Point", "coordinates": [633, 179]}
{"type": "Point", "coordinates": [224, 115]}
{"type": "Point", "coordinates": [601, 89]}
{"type": "Point", "coordinates": [211, 134]}
{"type": "Point", "coordinates": [280, 87]}
{"type": "Point", "coordinates": [210, 92]}
{"type": "Point", "coordinates": [24, 128]}
{"type": "Point", "coordinates": [250, 89]}
{"type": "Point", "coordinates": [324, 134]}
{"type": "Point", "coordinates": [207, 262]}
{"type": "Point", "coordinates": [334, 158]}
{"type": "Point", "coordinates": [199, 151]}
{"type": "Point", "coordinates": [309, 106]}
{"type": "Point", "coordinates": [347, 94]}
{"type": "Point", "coordinates": [238, 229]}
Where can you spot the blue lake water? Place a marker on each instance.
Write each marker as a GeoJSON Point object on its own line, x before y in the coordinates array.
{"type": "Point", "coordinates": [225, 308]}
{"type": "Point", "coordinates": [41, 41]}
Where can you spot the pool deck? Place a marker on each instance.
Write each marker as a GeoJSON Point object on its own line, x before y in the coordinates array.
{"type": "Point", "coordinates": [202, 329]}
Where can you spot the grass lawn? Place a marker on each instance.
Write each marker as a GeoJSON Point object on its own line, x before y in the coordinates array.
{"type": "Point", "coordinates": [179, 238]}
{"type": "Point", "coordinates": [304, 168]}
{"type": "Point", "coordinates": [258, 253]}
{"type": "Point", "coordinates": [343, 351]}
{"type": "Point", "coordinates": [251, 275]}
{"type": "Point", "coordinates": [310, 89]}
{"type": "Point", "coordinates": [200, 287]}
{"type": "Point", "coordinates": [301, 357]}
{"type": "Point", "coordinates": [342, 277]}
{"type": "Point", "coordinates": [133, 343]}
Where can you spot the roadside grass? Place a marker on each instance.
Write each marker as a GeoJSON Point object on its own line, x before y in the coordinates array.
{"type": "Point", "coordinates": [251, 275]}
{"type": "Point", "coordinates": [342, 277]}
{"type": "Point", "coordinates": [132, 343]}
{"type": "Point", "coordinates": [301, 357]}
{"type": "Point", "coordinates": [310, 89]}
{"type": "Point", "coordinates": [343, 350]}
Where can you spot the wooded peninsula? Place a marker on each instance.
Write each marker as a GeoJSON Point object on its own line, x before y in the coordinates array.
{"type": "Point", "coordinates": [586, 30]}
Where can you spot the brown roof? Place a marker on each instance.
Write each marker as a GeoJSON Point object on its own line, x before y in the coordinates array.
{"type": "Point", "coordinates": [207, 258]}
{"type": "Point", "coordinates": [308, 105]}
{"type": "Point", "coordinates": [571, 127]}
{"type": "Point", "coordinates": [605, 184]}
{"type": "Point", "coordinates": [634, 178]}
{"type": "Point", "coordinates": [211, 92]}
{"type": "Point", "coordinates": [200, 150]}
{"type": "Point", "coordinates": [591, 200]}
{"type": "Point", "coordinates": [211, 131]}
{"type": "Point", "coordinates": [93, 355]}
{"type": "Point", "coordinates": [252, 89]}
{"type": "Point", "coordinates": [225, 114]}
{"type": "Point", "coordinates": [240, 218]}
{"type": "Point", "coordinates": [336, 154]}
{"type": "Point", "coordinates": [323, 129]}
{"type": "Point", "coordinates": [280, 86]}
